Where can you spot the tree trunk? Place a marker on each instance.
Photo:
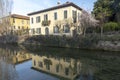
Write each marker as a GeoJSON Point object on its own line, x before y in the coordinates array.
{"type": "Point", "coordinates": [84, 32]}
{"type": "Point", "coordinates": [118, 17]}
{"type": "Point", "coordinates": [101, 31]}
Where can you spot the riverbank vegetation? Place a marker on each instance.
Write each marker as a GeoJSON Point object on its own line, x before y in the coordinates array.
{"type": "Point", "coordinates": [108, 13]}
{"type": "Point", "coordinates": [64, 41]}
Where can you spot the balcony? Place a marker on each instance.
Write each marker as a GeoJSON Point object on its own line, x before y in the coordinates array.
{"type": "Point", "coordinates": [46, 23]}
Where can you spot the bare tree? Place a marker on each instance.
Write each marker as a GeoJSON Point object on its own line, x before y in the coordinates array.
{"type": "Point", "coordinates": [5, 11]}
{"type": "Point", "coordinates": [86, 20]}
{"type": "Point", "coordinates": [68, 21]}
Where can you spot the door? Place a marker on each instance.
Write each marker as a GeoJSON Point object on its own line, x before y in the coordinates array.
{"type": "Point", "coordinates": [46, 31]}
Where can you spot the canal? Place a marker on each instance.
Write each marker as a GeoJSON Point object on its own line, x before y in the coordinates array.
{"type": "Point", "coordinates": [47, 63]}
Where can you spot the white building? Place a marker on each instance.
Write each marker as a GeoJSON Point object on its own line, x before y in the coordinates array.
{"type": "Point", "coordinates": [58, 20]}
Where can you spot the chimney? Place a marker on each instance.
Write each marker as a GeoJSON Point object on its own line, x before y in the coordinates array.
{"type": "Point", "coordinates": [58, 3]}
{"type": "Point", "coordinates": [67, 2]}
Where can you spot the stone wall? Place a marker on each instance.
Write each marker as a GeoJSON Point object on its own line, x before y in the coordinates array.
{"type": "Point", "coordinates": [109, 45]}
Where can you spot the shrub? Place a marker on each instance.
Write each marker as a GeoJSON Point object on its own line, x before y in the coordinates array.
{"type": "Point", "coordinates": [65, 41]}
{"type": "Point", "coordinates": [110, 26]}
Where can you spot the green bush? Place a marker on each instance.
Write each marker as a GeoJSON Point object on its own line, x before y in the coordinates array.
{"type": "Point", "coordinates": [111, 26]}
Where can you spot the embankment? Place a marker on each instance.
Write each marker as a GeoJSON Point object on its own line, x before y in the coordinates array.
{"type": "Point", "coordinates": [93, 42]}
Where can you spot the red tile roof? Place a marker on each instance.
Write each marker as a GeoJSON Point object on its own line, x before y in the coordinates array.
{"type": "Point", "coordinates": [19, 16]}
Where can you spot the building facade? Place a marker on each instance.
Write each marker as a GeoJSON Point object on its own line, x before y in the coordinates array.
{"type": "Point", "coordinates": [19, 23]}
{"type": "Point", "coordinates": [14, 23]}
{"type": "Point", "coordinates": [62, 19]}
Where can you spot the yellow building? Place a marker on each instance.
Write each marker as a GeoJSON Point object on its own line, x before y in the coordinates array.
{"type": "Point", "coordinates": [15, 23]}
{"type": "Point", "coordinates": [62, 19]}
{"type": "Point", "coordinates": [19, 23]}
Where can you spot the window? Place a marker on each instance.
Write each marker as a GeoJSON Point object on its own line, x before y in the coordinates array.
{"type": "Point", "coordinates": [38, 19]}
{"type": "Point", "coordinates": [55, 15]}
{"type": "Point", "coordinates": [33, 31]}
{"type": "Point", "coordinates": [34, 63]}
{"type": "Point", "coordinates": [47, 66]}
{"type": "Point", "coordinates": [31, 20]}
{"type": "Point", "coordinates": [13, 20]}
{"type": "Point", "coordinates": [78, 16]}
{"type": "Point", "coordinates": [22, 21]}
{"type": "Point", "coordinates": [65, 14]}
{"type": "Point", "coordinates": [38, 30]}
{"type": "Point", "coordinates": [40, 64]}
{"type": "Point", "coordinates": [66, 28]}
{"type": "Point", "coordinates": [66, 71]}
{"type": "Point", "coordinates": [56, 29]}
{"type": "Point", "coordinates": [45, 17]}
{"type": "Point", "coordinates": [74, 14]}
{"type": "Point", "coordinates": [27, 21]}
{"type": "Point", "coordinates": [57, 68]}
{"type": "Point", "coordinates": [18, 27]}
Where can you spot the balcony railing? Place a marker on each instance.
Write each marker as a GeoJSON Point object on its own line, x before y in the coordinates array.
{"type": "Point", "coordinates": [46, 23]}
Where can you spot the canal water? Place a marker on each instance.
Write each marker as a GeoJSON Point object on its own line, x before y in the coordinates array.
{"type": "Point", "coordinates": [46, 63]}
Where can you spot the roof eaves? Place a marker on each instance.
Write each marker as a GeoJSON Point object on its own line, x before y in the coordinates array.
{"type": "Point", "coordinates": [56, 7]}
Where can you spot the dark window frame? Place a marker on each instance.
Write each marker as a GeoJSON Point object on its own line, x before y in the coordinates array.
{"type": "Point", "coordinates": [55, 16]}
{"type": "Point", "coordinates": [39, 30]}
{"type": "Point", "coordinates": [56, 29]}
{"type": "Point", "coordinates": [13, 20]}
{"type": "Point", "coordinates": [33, 31]}
{"type": "Point", "coordinates": [37, 19]}
{"type": "Point", "coordinates": [66, 28]}
{"type": "Point", "coordinates": [65, 14]}
{"type": "Point", "coordinates": [40, 64]}
{"type": "Point", "coordinates": [32, 20]}
{"type": "Point", "coordinates": [74, 15]}
{"type": "Point", "coordinates": [46, 17]}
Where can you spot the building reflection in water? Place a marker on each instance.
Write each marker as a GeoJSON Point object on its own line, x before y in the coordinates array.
{"type": "Point", "coordinates": [62, 67]}
{"type": "Point", "coordinates": [14, 56]}
{"type": "Point", "coordinates": [21, 56]}
{"type": "Point", "coordinates": [8, 59]}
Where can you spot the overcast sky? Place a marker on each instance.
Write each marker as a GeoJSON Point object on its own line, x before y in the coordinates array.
{"type": "Point", "coordinates": [24, 7]}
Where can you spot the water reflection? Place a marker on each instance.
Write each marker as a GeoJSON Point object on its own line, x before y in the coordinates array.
{"type": "Point", "coordinates": [21, 56]}
{"type": "Point", "coordinates": [62, 67]}
{"type": "Point", "coordinates": [8, 60]}
{"type": "Point", "coordinates": [7, 68]}
{"type": "Point", "coordinates": [57, 63]}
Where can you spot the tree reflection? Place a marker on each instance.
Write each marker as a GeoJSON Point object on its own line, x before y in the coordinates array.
{"type": "Point", "coordinates": [7, 71]}
{"type": "Point", "coordinates": [7, 68]}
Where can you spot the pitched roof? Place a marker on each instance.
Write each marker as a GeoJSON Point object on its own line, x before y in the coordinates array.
{"type": "Point", "coordinates": [56, 7]}
{"type": "Point", "coordinates": [19, 16]}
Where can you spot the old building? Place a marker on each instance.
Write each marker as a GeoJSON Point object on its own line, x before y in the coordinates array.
{"type": "Point", "coordinates": [19, 23]}
{"type": "Point", "coordinates": [62, 19]}
{"type": "Point", "coordinates": [14, 23]}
